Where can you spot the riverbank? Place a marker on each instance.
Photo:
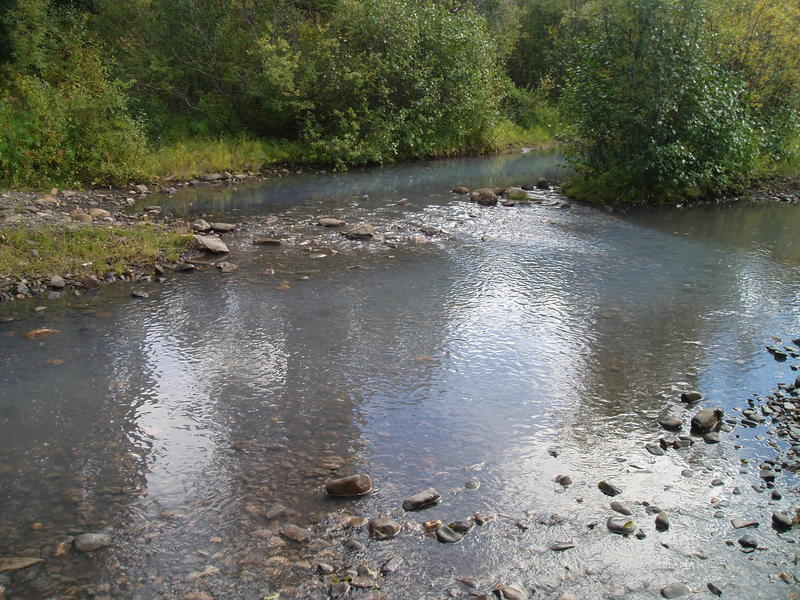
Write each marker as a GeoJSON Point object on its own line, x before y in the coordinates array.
{"type": "Point", "coordinates": [72, 239]}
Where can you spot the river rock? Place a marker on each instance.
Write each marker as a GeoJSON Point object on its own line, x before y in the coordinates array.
{"type": "Point", "coordinates": [712, 437]}
{"type": "Point", "coordinates": [391, 565]}
{"type": "Point", "coordinates": [330, 222]}
{"type": "Point", "coordinates": [295, 533]}
{"type": "Point", "coordinates": [185, 268]}
{"type": "Point", "coordinates": [462, 526]}
{"type": "Point", "coordinates": [17, 563]}
{"type": "Point", "coordinates": [57, 282]}
{"type": "Point", "coordinates": [98, 213]}
{"type": "Point", "coordinates": [620, 525]}
{"type": "Point", "coordinates": [674, 590]}
{"type": "Point", "coordinates": [423, 499]}
{"type": "Point", "coordinates": [655, 449]}
{"type": "Point", "coordinates": [743, 523]}
{"type": "Point", "coordinates": [354, 485]}
{"type": "Point", "coordinates": [670, 423]}
{"type": "Point", "coordinates": [516, 193]}
{"type": "Point", "coordinates": [223, 227]}
{"type": "Point", "coordinates": [781, 521]}
{"type": "Point", "coordinates": [447, 536]}
{"type": "Point", "coordinates": [201, 225]}
{"type": "Point", "coordinates": [609, 489]}
{"type": "Point", "coordinates": [542, 184]}
{"type": "Point", "coordinates": [267, 242]}
{"type": "Point", "coordinates": [662, 521]}
{"type": "Point", "coordinates": [714, 589]}
{"type": "Point", "coordinates": [383, 528]}
{"type": "Point", "coordinates": [140, 188]}
{"type": "Point", "coordinates": [213, 177]}
{"type": "Point", "coordinates": [748, 541]}
{"type": "Point", "coordinates": [484, 197]}
{"type": "Point", "coordinates": [472, 484]}
{"type": "Point", "coordinates": [361, 232]}
{"type": "Point", "coordinates": [339, 588]}
{"type": "Point", "coordinates": [227, 267]}
{"type": "Point", "coordinates": [707, 420]}
{"type": "Point", "coordinates": [561, 546]}
{"type": "Point", "coordinates": [88, 542]}
{"type": "Point", "coordinates": [621, 508]}
{"type": "Point", "coordinates": [209, 243]}
{"type": "Point", "coordinates": [460, 190]}
{"type": "Point", "coordinates": [691, 396]}
{"type": "Point", "coordinates": [564, 480]}
{"type": "Point", "coordinates": [509, 592]}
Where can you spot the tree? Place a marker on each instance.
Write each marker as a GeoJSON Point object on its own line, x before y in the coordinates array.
{"type": "Point", "coordinates": [651, 115]}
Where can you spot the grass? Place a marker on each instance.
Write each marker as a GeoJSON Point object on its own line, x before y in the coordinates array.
{"type": "Point", "coordinates": [191, 158]}
{"type": "Point", "coordinates": [85, 251]}
{"type": "Point", "coordinates": [512, 135]}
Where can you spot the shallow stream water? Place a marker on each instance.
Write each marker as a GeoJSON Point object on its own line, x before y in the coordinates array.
{"type": "Point", "coordinates": [518, 344]}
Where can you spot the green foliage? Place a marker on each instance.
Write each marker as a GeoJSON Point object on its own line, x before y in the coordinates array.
{"type": "Point", "coordinates": [85, 251]}
{"type": "Point", "coordinates": [393, 79]}
{"type": "Point", "coordinates": [62, 118]}
{"type": "Point", "coordinates": [651, 115]}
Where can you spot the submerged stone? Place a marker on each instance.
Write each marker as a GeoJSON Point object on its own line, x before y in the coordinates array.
{"type": "Point", "coordinates": [354, 485]}
{"type": "Point", "coordinates": [674, 590]}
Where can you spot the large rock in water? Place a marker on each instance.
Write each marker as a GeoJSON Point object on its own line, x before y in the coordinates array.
{"type": "Point", "coordinates": [484, 196]}
{"type": "Point", "coordinates": [423, 499]}
{"type": "Point", "coordinates": [209, 243]}
{"type": "Point", "coordinates": [355, 485]}
{"type": "Point", "coordinates": [707, 420]}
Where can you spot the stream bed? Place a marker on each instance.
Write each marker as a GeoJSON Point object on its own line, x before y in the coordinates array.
{"type": "Point", "coordinates": [485, 356]}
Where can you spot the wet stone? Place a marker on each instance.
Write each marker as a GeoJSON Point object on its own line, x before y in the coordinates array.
{"type": "Point", "coordinates": [621, 508]}
{"type": "Point", "coordinates": [712, 437]}
{"type": "Point", "coordinates": [609, 489]}
{"type": "Point", "coordinates": [561, 546]}
{"type": "Point", "coordinates": [781, 521]}
{"type": "Point", "coordinates": [361, 232]}
{"type": "Point", "coordinates": [209, 243]}
{"type": "Point", "coordinates": [383, 528]}
{"type": "Point", "coordinates": [472, 484]}
{"type": "Point", "coordinates": [670, 423]}
{"type": "Point", "coordinates": [706, 420]}
{"type": "Point", "coordinates": [743, 523]}
{"type": "Point", "coordinates": [691, 396]}
{"type": "Point", "coordinates": [620, 525]}
{"type": "Point", "coordinates": [295, 533]}
{"type": "Point", "coordinates": [339, 589]}
{"type": "Point", "coordinates": [391, 565]}
{"type": "Point", "coordinates": [714, 589]}
{"type": "Point", "coordinates": [748, 541]}
{"type": "Point", "coordinates": [354, 485]}
{"type": "Point", "coordinates": [471, 582]}
{"type": "Point", "coordinates": [563, 480]}
{"type": "Point", "coordinates": [330, 222]}
{"type": "Point", "coordinates": [447, 536]}
{"type": "Point", "coordinates": [424, 499]}
{"type": "Point", "coordinates": [462, 526]}
{"type": "Point", "coordinates": [654, 449]}
{"type": "Point", "coordinates": [509, 592]}
{"type": "Point", "coordinates": [675, 590]}
{"type": "Point", "coordinates": [662, 521]}
{"type": "Point", "coordinates": [88, 542]}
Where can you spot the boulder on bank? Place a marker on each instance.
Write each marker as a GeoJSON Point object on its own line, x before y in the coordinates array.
{"type": "Point", "coordinates": [209, 243]}
{"type": "Point", "coordinates": [354, 485]}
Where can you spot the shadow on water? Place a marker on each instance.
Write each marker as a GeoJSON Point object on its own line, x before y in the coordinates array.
{"type": "Point", "coordinates": [525, 343]}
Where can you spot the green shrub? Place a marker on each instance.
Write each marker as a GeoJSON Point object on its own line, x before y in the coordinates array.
{"type": "Point", "coordinates": [62, 118]}
{"type": "Point", "coordinates": [394, 79]}
{"type": "Point", "coordinates": [651, 115]}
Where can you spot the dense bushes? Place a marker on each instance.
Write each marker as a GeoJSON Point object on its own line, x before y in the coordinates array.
{"type": "Point", "coordinates": [650, 114]}
{"type": "Point", "coordinates": [62, 118]}
{"type": "Point", "coordinates": [396, 79]}
{"type": "Point", "coordinates": [654, 106]}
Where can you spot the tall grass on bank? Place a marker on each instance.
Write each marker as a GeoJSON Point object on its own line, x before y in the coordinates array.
{"type": "Point", "coordinates": [85, 251]}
